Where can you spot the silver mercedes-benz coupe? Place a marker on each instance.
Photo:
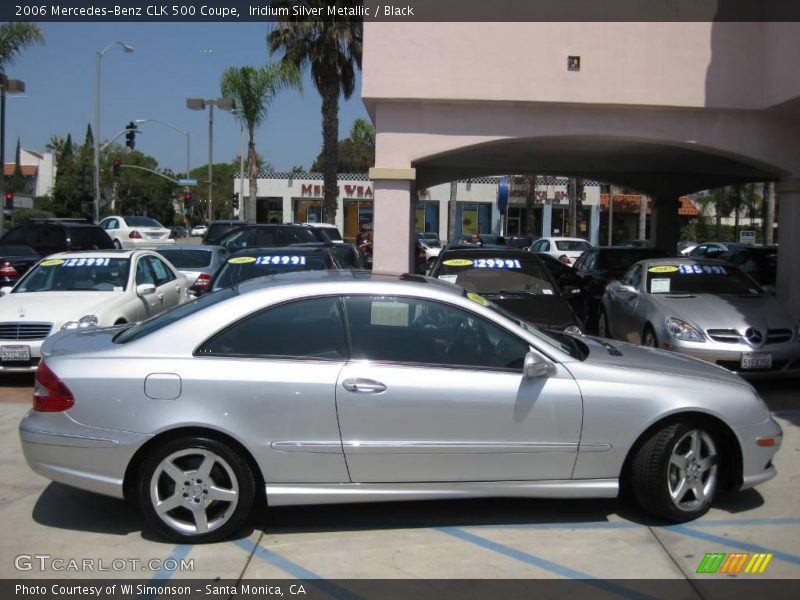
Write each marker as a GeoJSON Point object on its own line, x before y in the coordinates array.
{"type": "Point", "coordinates": [704, 308]}
{"type": "Point", "coordinates": [340, 386]}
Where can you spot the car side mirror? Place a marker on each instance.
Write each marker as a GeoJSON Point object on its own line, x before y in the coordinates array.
{"type": "Point", "coordinates": [145, 289]}
{"type": "Point", "coordinates": [535, 366]}
{"type": "Point", "coordinates": [6, 289]}
{"type": "Point", "coordinates": [628, 288]}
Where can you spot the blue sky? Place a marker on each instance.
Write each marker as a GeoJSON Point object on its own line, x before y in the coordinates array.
{"type": "Point", "coordinates": [172, 62]}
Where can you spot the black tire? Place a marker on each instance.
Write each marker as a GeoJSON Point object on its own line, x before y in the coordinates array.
{"type": "Point", "coordinates": [117, 244]}
{"type": "Point", "coordinates": [230, 472]}
{"type": "Point", "coordinates": [603, 330]}
{"type": "Point", "coordinates": [653, 475]}
{"type": "Point", "coordinates": [649, 337]}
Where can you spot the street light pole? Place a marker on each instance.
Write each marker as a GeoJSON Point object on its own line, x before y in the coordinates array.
{"type": "Point", "coordinates": [200, 104]}
{"type": "Point", "coordinates": [128, 49]}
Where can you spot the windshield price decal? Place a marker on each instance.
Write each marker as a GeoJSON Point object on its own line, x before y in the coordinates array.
{"type": "Point", "coordinates": [702, 270]}
{"type": "Point", "coordinates": [496, 263]}
{"type": "Point", "coordinates": [457, 262]}
{"type": "Point", "coordinates": [281, 260]}
{"type": "Point", "coordinates": [77, 262]}
{"type": "Point", "coordinates": [663, 269]}
{"type": "Point", "coordinates": [476, 298]}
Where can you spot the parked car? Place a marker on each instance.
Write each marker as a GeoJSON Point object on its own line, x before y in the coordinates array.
{"type": "Point", "coordinates": [329, 230]}
{"type": "Point", "coordinates": [15, 260]}
{"type": "Point", "coordinates": [260, 262]}
{"type": "Point", "coordinates": [178, 231]}
{"type": "Point", "coordinates": [565, 249]}
{"type": "Point", "coordinates": [349, 256]}
{"type": "Point", "coordinates": [48, 236]}
{"type": "Point", "coordinates": [684, 247]}
{"type": "Point", "coordinates": [708, 250]}
{"type": "Point", "coordinates": [635, 243]}
{"type": "Point", "coordinates": [514, 280]}
{"type": "Point", "coordinates": [264, 236]}
{"type": "Point", "coordinates": [197, 263]}
{"type": "Point", "coordinates": [703, 308]}
{"type": "Point", "coordinates": [219, 229]}
{"type": "Point", "coordinates": [340, 386]}
{"type": "Point", "coordinates": [600, 266]}
{"type": "Point", "coordinates": [759, 262]}
{"type": "Point", "coordinates": [136, 232]}
{"type": "Point", "coordinates": [198, 230]}
{"type": "Point", "coordinates": [430, 239]}
{"type": "Point", "coordinates": [569, 283]}
{"type": "Point", "coordinates": [521, 241]}
{"type": "Point", "coordinates": [77, 290]}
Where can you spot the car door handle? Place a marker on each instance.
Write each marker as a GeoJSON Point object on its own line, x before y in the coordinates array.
{"type": "Point", "coordinates": [363, 386]}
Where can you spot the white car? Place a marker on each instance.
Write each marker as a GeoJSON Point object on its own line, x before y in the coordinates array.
{"type": "Point", "coordinates": [199, 230]}
{"type": "Point", "coordinates": [565, 249]}
{"type": "Point", "coordinates": [331, 231]}
{"type": "Point", "coordinates": [136, 232]}
{"type": "Point", "coordinates": [73, 290]}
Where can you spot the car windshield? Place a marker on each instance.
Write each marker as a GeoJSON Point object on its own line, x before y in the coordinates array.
{"type": "Point", "coordinates": [242, 268]}
{"type": "Point", "coordinates": [76, 275]}
{"type": "Point", "coordinates": [495, 274]}
{"type": "Point", "coordinates": [142, 222]}
{"type": "Point", "coordinates": [171, 316]}
{"type": "Point", "coordinates": [347, 255]}
{"type": "Point", "coordinates": [572, 245]}
{"type": "Point", "coordinates": [187, 259]}
{"type": "Point", "coordinates": [699, 279]}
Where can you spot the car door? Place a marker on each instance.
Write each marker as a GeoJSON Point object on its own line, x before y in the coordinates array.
{"type": "Point", "coordinates": [168, 286]}
{"type": "Point", "coordinates": [277, 370]}
{"type": "Point", "coordinates": [623, 304]}
{"type": "Point", "coordinates": [434, 392]}
{"type": "Point", "coordinates": [151, 304]}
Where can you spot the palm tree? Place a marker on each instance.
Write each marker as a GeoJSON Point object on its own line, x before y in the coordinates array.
{"type": "Point", "coordinates": [14, 37]}
{"type": "Point", "coordinates": [55, 145]}
{"type": "Point", "coordinates": [332, 50]}
{"type": "Point", "coordinates": [253, 89]}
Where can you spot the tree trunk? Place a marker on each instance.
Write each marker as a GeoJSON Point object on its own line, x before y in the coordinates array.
{"type": "Point", "coordinates": [642, 217]}
{"type": "Point", "coordinates": [572, 194]}
{"type": "Point", "coordinates": [530, 205]}
{"type": "Point", "coordinates": [330, 133]}
{"type": "Point", "coordinates": [252, 172]}
{"type": "Point", "coordinates": [718, 221]}
{"type": "Point", "coordinates": [770, 216]}
{"type": "Point", "coordinates": [451, 213]}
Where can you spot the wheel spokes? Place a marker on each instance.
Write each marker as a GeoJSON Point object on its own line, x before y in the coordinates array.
{"type": "Point", "coordinates": [204, 470]}
{"type": "Point", "coordinates": [221, 494]}
{"type": "Point", "coordinates": [200, 518]}
{"type": "Point", "coordinates": [176, 474]}
{"type": "Point", "coordinates": [680, 491]}
{"type": "Point", "coordinates": [168, 504]}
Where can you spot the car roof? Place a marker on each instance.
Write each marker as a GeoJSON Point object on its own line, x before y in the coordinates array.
{"type": "Point", "coordinates": [112, 253]}
{"type": "Point", "coordinates": [270, 250]}
{"type": "Point", "coordinates": [492, 251]}
{"type": "Point", "coordinates": [225, 222]}
{"type": "Point", "coordinates": [206, 247]}
{"type": "Point", "coordinates": [684, 260]}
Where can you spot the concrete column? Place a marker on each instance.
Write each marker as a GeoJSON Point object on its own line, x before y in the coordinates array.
{"type": "Point", "coordinates": [594, 225]}
{"type": "Point", "coordinates": [788, 283]}
{"type": "Point", "coordinates": [392, 250]}
{"type": "Point", "coordinates": [547, 220]}
{"type": "Point", "coordinates": [664, 222]}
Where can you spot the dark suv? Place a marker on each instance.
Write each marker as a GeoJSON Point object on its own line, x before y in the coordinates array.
{"type": "Point", "coordinates": [48, 236]}
{"type": "Point", "coordinates": [219, 229]}
{"type": "Point", "coordinates": [264, 236]}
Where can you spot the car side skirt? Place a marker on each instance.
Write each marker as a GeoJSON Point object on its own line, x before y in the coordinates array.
{"type": "Point", "coordinates": [295, 494]}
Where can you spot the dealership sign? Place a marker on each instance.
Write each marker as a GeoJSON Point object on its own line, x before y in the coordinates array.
{"type": "Point", "coordinates": [315, 190]}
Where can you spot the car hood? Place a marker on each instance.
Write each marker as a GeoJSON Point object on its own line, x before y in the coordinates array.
{"type": "Point", "coordinates": [547, 311]}
{"type": "Point", "coordinates": [53, 307]}
{"type": "Point", "coordinates": [729, 311]}
{"type": "Point", "coordinates": [612, 353]}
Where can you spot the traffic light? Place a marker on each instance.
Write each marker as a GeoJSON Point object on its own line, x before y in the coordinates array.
{"type": "Point", "coordinates": [9, 205]}
{"type": "Point", "coordinates": [130, 136]}
{"type": "Point", "coordinates": [187, 201]}
{"type": "Point", "coordinates": [236, 200]}
{"type": "Point", "coordinates": [116, 166]}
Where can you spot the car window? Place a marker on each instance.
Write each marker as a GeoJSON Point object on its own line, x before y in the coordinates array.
{"type": "Point", "coordinates": [264, 237]}
{"type": "Point", "coordinates": [234, 240]}
{"type": "Point", "coordinates": [144, 273]}
{"type": "Point", "coordinates": [142, 222]}
{"type": "Point", "coordinates": [590, 262]}
{"type": "Point", "coordinates": [162, 273]}
{"type": "Point", "coordinates": [187, 259]}
{"type": "Point", "coordinates": [17, 234]}
{"type": "Point", "coordinates": [545, 246]}
{"type": "Point", "coordinates": [572, 245]}
{"type": "Point", "coordinates": [487, 274]}
{"type": "Point", "coordinates": [271, 262]}
{"type": "Point", "coordinates": [87, 238]}
{"type": "Point", "coordinates": [699, 279]}
{"type": "Point", "coordinates": [633, 277]}
{"type": "Point", "coordinates": [301, 329]}
{"type": "Point", "coordinates": [418, 331]}
{"type": "Point", "coordinates": [300, 235]}
{"type": "Point", "coordinates": [99, 274]}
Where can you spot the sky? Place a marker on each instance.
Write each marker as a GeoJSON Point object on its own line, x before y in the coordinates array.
{"type": "Point", "coordinates": [171, 62]}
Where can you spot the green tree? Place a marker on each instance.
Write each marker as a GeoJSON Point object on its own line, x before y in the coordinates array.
{"type": "Point", "coordinates": [331, 48]}
{"type": "Point", "coordinates": [223, 174]}
{"type": "Point", "coordinates": [14, 38]}
{"type": "Point", "coordinates": [66, 192]}
{"type": "Point", "coordinates": [55, 145]}
{"type": "Point", "coordinates": [17, 183]}
{"type": "Point", "coordinates": [253, 89]}
{"type": "Point", "coordinates": [135, 190]}
{"type": "Point", "coordinates": [355, 154]}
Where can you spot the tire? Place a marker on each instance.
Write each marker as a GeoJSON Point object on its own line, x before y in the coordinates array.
{"type": "Point", "coordinates": [117, 244]}
{"type": "Point", "coordinates": [676, 474]}
{"type": "Point", "coordinates": [649, 337]}
{"type": "Point", "coordinates": [172, 475]}
{"type": "Point", "coordinates": [603, 330]}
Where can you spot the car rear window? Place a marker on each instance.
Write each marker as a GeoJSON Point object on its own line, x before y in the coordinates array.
{"type": "Point", "coordinates": [242, 268]}
{"type": "Point", "coordinates": [16, 250]}
{"type": "Point", "coordinates": [217, 230]}
{"type": "Point", "coordinates": [187, 259]}
{"type": "Point", "coordinates": [142, 222]}
{"type": "Point", "coordinates": [572, 245]}
{"type": "Point", "coordinates": [622, 260]}
{"type": "Point", "coordinates": [89, 238]}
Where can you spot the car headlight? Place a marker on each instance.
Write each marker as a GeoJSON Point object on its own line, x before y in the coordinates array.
{"type": "Point", "coordinates": [681, 330]}
{"type": "Point", "coordinates": [573, 329]}
{"type": "Point", "coordinates": [83, 322]}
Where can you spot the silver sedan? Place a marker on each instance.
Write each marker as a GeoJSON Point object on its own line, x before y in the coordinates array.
{"type": "Point", "coordinates": [339, 386]}
{"type": "Point", "coordinates": [703, 308]}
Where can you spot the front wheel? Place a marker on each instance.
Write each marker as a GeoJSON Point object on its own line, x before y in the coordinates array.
{"type": "Point", "coordinates": [602, 325]}
{"type": "Point", "coordinates": [195, 490]}
{"type": "Point", "coordinates": [675, 474]}
{"type": "Point", "coordinates": [649, 338]}
{"type": "Point", "coordinates": [117, 244]}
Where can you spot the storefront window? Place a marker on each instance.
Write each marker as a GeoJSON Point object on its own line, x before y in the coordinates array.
{"type": "Point", "coordinates": [473, 218]}
{"type": "Point", "coordinates": [269, 210]}
{"type": "Point", "coordinates": [307, 211]}
{"type": "Point", "coordinates": [357, 214]}
{"type": "Point", "coordinates": [426, 216]}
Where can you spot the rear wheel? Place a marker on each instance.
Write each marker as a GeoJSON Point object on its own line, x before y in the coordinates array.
{"type": "Point", "coordinates": [649, 337]}
{"type": "Point", "coordinates": [675, 474]}
{"type": "Point", "coordinates": [117, 244]}
{"type": "Point", "coordinates": [195, 490]}
{"type": "Point", "coordinates": [602, 325]}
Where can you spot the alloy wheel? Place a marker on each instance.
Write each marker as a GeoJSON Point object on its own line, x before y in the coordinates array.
{"type": "Point", "coordinates": [692, 472]}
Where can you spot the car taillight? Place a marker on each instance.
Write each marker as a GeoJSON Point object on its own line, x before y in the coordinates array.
{"type": "Point", "coordinates": [49, 392]}
{"type": "Point", "coordinates": [565, 259]}
{"type": "Point", "coordinates": [8, 270]}
{"type": "Point", "coordinates": [202, 281]}
{"type": "Point", "coordinates": [135, 235]}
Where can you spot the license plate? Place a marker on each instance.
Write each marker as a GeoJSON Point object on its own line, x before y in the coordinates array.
{"type": "Point", "coordinates": [13, 353]}
{"type": "Point", "coordinates": [756, 360]}
{"type": "Point", "coordinates": [155, 235]}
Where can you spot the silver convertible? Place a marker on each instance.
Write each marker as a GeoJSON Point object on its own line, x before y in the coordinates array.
{"type": "Point", "coordinates": [340, 386]}
{"type": "Point", "coordinates": [703, 308]}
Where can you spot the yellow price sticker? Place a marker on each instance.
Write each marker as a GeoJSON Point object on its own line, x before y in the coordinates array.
{"type": "Point", "coordinates": [662, 269]}
{"type": "Point", "coordinates": [476, 298]}
{"type": "Point", "coordinates": [457, 262]}
{"type": "Point", "coordinates": [52, 262]}
{"type": "Point", "coordinates": [242, 260]}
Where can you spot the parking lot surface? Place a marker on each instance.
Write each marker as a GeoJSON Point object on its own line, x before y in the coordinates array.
{"type": "Point", "coordinates": [486, 539]}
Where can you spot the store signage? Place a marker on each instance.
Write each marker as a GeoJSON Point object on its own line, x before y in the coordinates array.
{"type": "Point", "coordinates": [542, 196]}
{"type": "Point", "coordinates": [315, 190]}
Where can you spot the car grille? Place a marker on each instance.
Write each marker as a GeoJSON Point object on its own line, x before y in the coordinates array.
{"type": "Point", "coordinates": [731, 336]}
{"type": "Point", "coordinates": [24, 331]}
